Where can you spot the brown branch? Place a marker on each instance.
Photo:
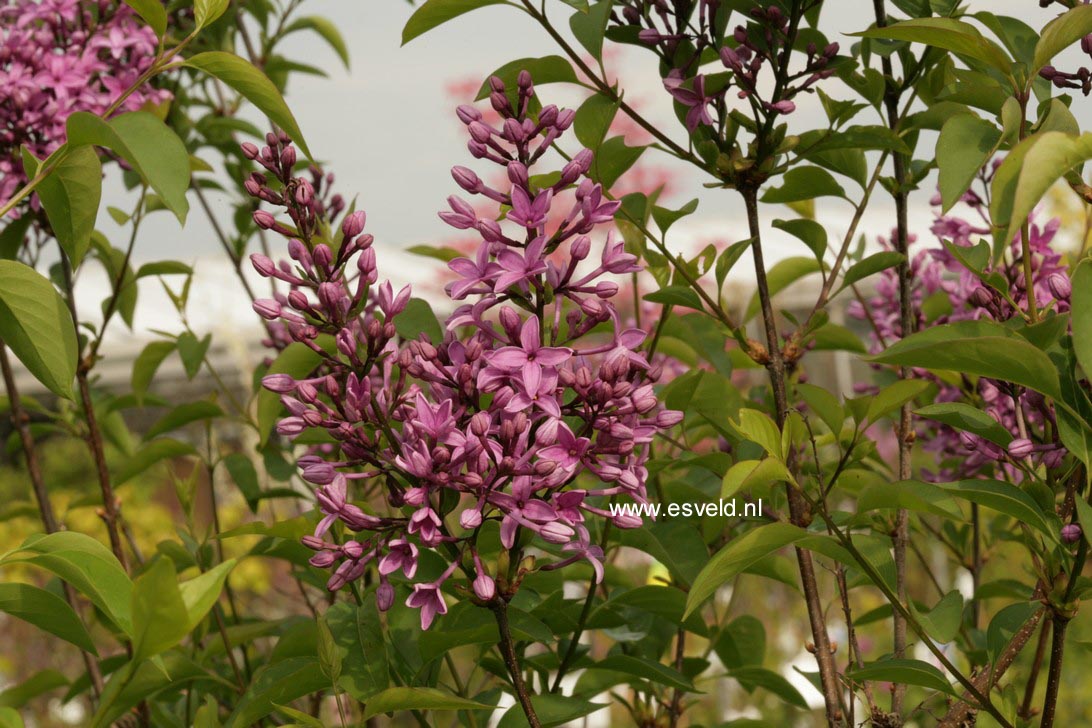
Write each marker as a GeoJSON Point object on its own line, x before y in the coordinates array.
{"type": "Point", "coordinates": [798, 511]}
{"type": "Point", "coordinates": [511, 661]}
{"type": "Point", "coordinates": [21, 421]}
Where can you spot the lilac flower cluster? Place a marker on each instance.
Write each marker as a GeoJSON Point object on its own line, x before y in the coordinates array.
{"type": "Point", "coordinates": [936, 272]}
{"type": "Point", "coordinates": [535, 382]}
{"type": "Point", "coordinates": [58, 57]}
{"type": "Point", "coordinates": [745, 53]}
{"type": "Point", "coordinates": [1081, 78]}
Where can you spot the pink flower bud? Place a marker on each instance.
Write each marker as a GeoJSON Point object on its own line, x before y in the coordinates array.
{"type": "Point", "coordinates": [484, 587]}
{"type": "Point", "coordinates": [1071, 533]}
{"type": "Point", "coordinates": [1021, 447]}
{"type": "Point", "coordinates": [264, 219]}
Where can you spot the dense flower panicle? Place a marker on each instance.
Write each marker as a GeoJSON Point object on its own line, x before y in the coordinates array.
{"type": "Point", "coordinates": [745, 52]}
{"type": "Point", "coordinates": [62, 56]}
{"type": "Point", "coordinates": [535, 382]}
{"type": "Point", "coordinates": [944, 291]}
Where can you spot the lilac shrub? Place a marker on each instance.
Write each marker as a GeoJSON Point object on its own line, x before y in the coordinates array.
{"type": "Point", "coordinates": [59, 57]}
{"type": "Point", "coordinates": [945, 291]}
{"type": "Point", "coordinates": [535, 383]}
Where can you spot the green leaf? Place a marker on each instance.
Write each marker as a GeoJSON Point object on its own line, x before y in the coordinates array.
{"type": "Point", "coordinates": [805, 183]}
{"type": "Point", "coordinates": [1060, 33]}
{"type": "Point", "coordinates": [147, 456]}
{"type": "Point", "coordinates": [409, 698]}
{"type": "Point", "coordinates": [275, 684]}
{"type": "Point", "coordinates": [328, 655]}
{"type": "Point", "coordinates": [547, 69]}
{"type": "Point", "coordinates": [757, 427]}
{"type": "Point", "coordinates": [982, 348]}
{"type": "Point", "coordinates": [965, 144]}
{"type": "Point", "coordinates": [84, 563]}
{"type": "Point", "coordinates": [953, 35]}
{"type": "Point", "coordinates": [150, 147]}
{"type": "Point", "coordinates": [676, 296]}
{"type": "Point", "coordinates": [36, 325]}
{"type": "Point", "coordinates": [1084, 517]}
{"type": "Point", "coordinates": [741, 552]}
{"type": "Point", "coordinates": [590, 26]}
{"type": "Point", "coordinates": [909, 494]}
{"type": "Point", "coordinates": [418, 319]}
{"type": "Point", "coordinates": [164, 268]}
{"type": "Point", "coordinates": [783, 274]}
{"type": "Point", "coordinates": [646, 669]}
{"type": "Point", "coordinates": [200, 593]}
{"type": "Point", "coordinates": [183, 415]}
{"type": "Point", "coordinates": [1005, 624]}
{"type": "Point", "coordinates": [437, 12]}
{"type": "Point", "coordinates": [192, 350]}
{"type": "Point", "coordinates": [207, 12]}
{"type": "Point", "coordinates": [358, 637]}
{"type": "Point", "coordinates": [964, 417]}
{"type": "Point", "coordinates": [153, 13]}
{"type": "Point", "coordinates": [752, 677]}
{"type": "Point", "coordinates": [1081, 316]}
{"type": "Point", "coordinates": [593, 120]}
{"type": "Point", "coordinates": [894, 396]}
{"type": "Point", "coordinates": [665, 217]}
{"type": "Point", "coordinates": [809, 232]}
{"type": "Point", "coordinates": [159, 614]}
{"type": "Point", "coordinates": [871, 265]}
{"type": "Point", "coordinates": [46, 611]}
{"type": "Point", "coordinates": [296, 361]}
{"type": "Point", "coordinates": [612, 160]}
{"type": "Point", "coordinates": [943, 620]}
{"type": "Point", "coordinates": [19, 695]}
{"type": "Point", "coordinates": [254, 86]}
{"type": "Point", "coordinates": [326, 29]}
{"type": "Point", "coordinates": [1004, 498]}
{"type": "Point", "coordinates": [1029, 171]}
{"type": "Point", "coordinates": [245, 477]}
{"type": "Point", "coordinates": [904, 672]}
{"type": "Point", "coordinates": [70, 195]}
{"type": "Point", "coordinates": [146, 365]}
{"type": "Point", "coordinates": [552, 710]}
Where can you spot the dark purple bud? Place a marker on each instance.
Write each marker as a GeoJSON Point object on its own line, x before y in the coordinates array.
{"type": "Point", "coordinates": [517, 173]}
{"type": "Point", "coordinates": [1060, 286]}
{"type": "Point", "coordinates": [480, 132]}
{"type": "Point", "coordinates": [981, 297]}
{"type": "Point", "coordinates": [288, 157]}
{"type": "Point", "coordinates": [250, 151]}
{"type": "Point", "coordinates": [1071, 533]}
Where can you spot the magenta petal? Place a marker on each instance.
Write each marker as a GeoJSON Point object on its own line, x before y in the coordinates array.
{"type": "Point", "coordinates": [508, 357]}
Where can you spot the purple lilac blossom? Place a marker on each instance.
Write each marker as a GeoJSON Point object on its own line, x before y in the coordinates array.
{"type": "Point", "coordinates": [745, 52]}
{"type": "Point", "coordinates": [62, 56]}
{"type": "Point", "coordinates": [534, 383]}
{"type": "Point", "coordinates": [936, 273]}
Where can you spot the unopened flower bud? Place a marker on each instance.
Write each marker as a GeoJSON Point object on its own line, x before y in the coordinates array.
{"type": "Point", "coordinates": [1060, 286]}
{"type": "Point", "coordinates": [1071, 533]}
{"type": "Point", "coordinates": [264, 219]}
{"type": "Point", "coordinates": [1021, 447]}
